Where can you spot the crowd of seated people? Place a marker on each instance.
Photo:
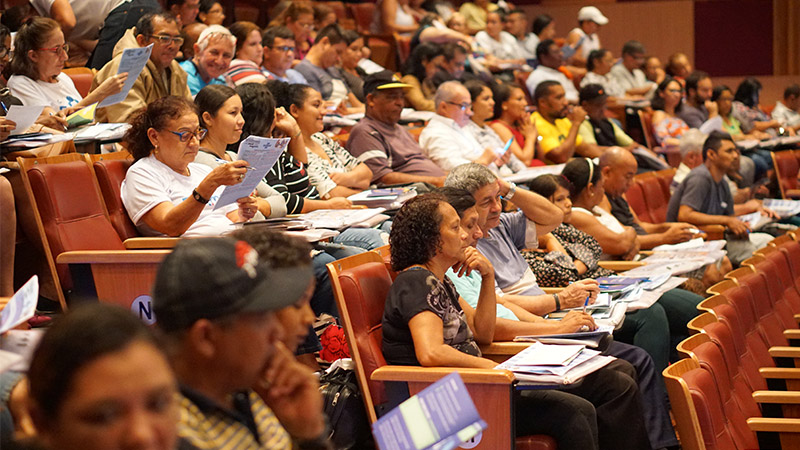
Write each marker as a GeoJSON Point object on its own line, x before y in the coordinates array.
{"type": "Point", "coordinates": [495, 93]}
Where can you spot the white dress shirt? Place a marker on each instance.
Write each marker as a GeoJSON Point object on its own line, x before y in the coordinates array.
{"type": "Point", "coordinates": [447, 144]}
{"type": "Point", "coordinates": [543, 73]}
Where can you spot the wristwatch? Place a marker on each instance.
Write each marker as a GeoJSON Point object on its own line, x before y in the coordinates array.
{"type": "Point", "coordinates": [199, 198]}
{"type": "Point", "coordinates": [512, 189]}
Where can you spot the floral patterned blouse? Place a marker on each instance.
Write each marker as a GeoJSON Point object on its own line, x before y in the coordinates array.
{"type": "Point", "coordinates": [556, 269]}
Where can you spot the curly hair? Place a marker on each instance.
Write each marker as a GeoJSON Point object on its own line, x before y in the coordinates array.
{"type": "Point", "coordinates": [287, 94]}
{"type": "Point", "coordinates": [279, 249]}
{"type": "Point", "coordinates": [415, 237]}
{"type": "Point", "coordinates": [156, 115]}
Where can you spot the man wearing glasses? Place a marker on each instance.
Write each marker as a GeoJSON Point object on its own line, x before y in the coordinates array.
{"type": "Point", "coordinates": [445, 140]}
{"type": "Point", "coordinates": [161, 76]}
{"type": "Point", "coordinates": [279, 51]}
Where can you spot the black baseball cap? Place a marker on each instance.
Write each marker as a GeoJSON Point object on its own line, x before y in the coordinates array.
{"type": "Point", "coordinates": [384, 79]}
{"type": "Point", "coordinates": [211, 278]}
{"type": "Point", "coordinates": [592, 92]}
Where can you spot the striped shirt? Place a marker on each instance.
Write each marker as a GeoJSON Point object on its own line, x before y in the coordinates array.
{"type": "Point", "coordinates": [204, 424]}
{"type": "Point", "coordinates": [242, 71]}
{"type": "Point", "coordinates": [319, 168]}
{"type": "Point", "coordinates": [290, 178]}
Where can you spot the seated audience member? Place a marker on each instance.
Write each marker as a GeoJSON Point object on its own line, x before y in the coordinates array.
{"type": "Point", "coordinates": [628, 73]}
{"type": "Point", "coordinates": [445, 140]}
{"type": "Point", "coordinates": [748, 112]}
{"type": "Point", "coordinates": [516, 24]}
{"type": "Point", "coordinates": [549, 55]}
{"type": "Point", "coordinates": [333, 171]}
{"type": "Point", "coordinates": [603, 132]}
{"type": "Point", "coordinates": [501, 45]}
{"type": "Point", "coordinates": [165, 192]}
{"type": "Point", "coordinates": [161, 76]}
{"type": "Point", "coordinates": [432, 29]}
{"type": "Point", "coordinates": [220, 112]}
{"type": "Point", "coordinates": [667, 103]}
{"type": "Point", "coordinates": [394, 16]}
{"type": "Point", "coordinates": [558, 126]}
{"type": "Point", "coordinates": [101, 361]}
{"type": "Point", "coordinates": [512, 120]}
{"type": "Point", "coordinates": [122, 18]}
{"type": "Point", "coordinates": [184, 10]}
{"type": "Point", "coordinates": [248, 56]}
{"type": "Point", "coordinates": [761, 159]}
{"type": "Point", "coordinates": [544, 27]}
{"type": "Point", "coordinates": [349, 70]}
{"type": "Point", "coordinates": [678, 67]}
{"type": "Point", "coordinates": [279, 52]}
{"type": "Point", "coordinates": [787, 111]}
{"type": "Point", "coordinates": [387, 148]}
{"type": "Point", "coordinates": [213, 53]}
{"type": "Point", "coordinates": [318, 69]}
{"type": "Point", "coordinates": [483, 110]}
{"type": "Point", "coordinates": [444, 331]}
{"type": "Point", "coordinates": [599, 64]}
{"type": "Point", "coordinates": [704, 198]}
{"type": "Point", "coordinates": [324, 15]}
{"type": "Point", "coordinates": [37, 78]}
{"type": "Point", "coordinates": [653, 70]}
{"type": "Point", "coordinates": [298, 17]}
{"type": "Point", "coordinates": [584, 37]}
{"type": "Point", "coordinates": [211, 12]}
{"type": "Point", "coordinates": [458, 23]}
{"type": "Point", "coordinates": [698, 107]}
{"type": "Point", "coordinates": [240, 385]}
{"type": "Point", "coordinates": [476, 14]}
{"type": "Point", "coordinates": [190, 34]}
{"type": "Point", "coordinates": [418, 73]}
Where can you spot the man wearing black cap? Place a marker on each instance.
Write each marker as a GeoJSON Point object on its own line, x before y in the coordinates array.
{"type": "Point", "coordinates": [382, 144]}
{"type": "Point", "coordinates": [240, 386]}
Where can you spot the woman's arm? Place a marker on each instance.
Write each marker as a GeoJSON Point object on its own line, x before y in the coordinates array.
{"type": "Point", "coordinates": [482, 322]}
{"type": "Point", "coordinates": [110, 86]}
{"type": "Point", "coordinates": [525, 154]}
{"type": "Point", "coordinates": [358, 178]}
{"type": "Point", "coordinates": [427, 331]}
{"type": "Point", "coordinates": [388, 17]}
{"type": "Point", "coordinates": [611, 242]}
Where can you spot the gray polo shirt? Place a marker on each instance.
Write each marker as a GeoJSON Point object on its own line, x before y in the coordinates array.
{"type": "Point", "coordinates": [700, 192]}
{"type": "Point", "coordinates": [502, 246]}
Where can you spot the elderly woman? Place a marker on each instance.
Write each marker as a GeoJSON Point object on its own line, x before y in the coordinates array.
{"type": "Point", "coordinates": [426, 322]}
{"type": "Point", "coordinates": [249, 53]}
{"type": "Point", "coordinates": [333, 171]}
{"type": "Point", "coordinates": [165, 192]}
{"type": "Point", "coordinates": [36, 76]}
{"type": "Point", "coordinates": [220, 112]}
{"type": "Point", "coordinates": [100, 380]}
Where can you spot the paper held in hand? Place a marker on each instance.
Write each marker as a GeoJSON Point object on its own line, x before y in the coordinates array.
{"type": "Point", "coordinates": [261, 153]}
{"type": "Point", "coordinates": [132, 62]}
{"type": "Point", "coordinates": [21, 306]}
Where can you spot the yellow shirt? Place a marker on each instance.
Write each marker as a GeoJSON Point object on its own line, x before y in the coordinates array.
{"type": "Point", "coordinates": [552, 135]}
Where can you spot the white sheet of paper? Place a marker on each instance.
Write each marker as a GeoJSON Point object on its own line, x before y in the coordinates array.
{"type": "Point", "coordinates": [22, 343]}
{"type": "Point", "coordinates": [23, 116]}
{"type": "Point", "coordinates": [21, 306]}
{"type": "Point", "coordinates": [261, 153]}
{"type": "Point", "coordinates": [133, 61]}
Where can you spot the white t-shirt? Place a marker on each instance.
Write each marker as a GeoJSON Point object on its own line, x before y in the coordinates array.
{"type": "Point", "coordinates": [505, 48]}
{"type": "Point", "coordinates": [150, 182]}
{"type": "Point", "coordinates": [89, 15]}
{"type": "Point", "coordinates": [543, 73]}
{"type": "Point", "coordinates": [590, 42]}
{"type": "Point", "coordinates": [59, 95]}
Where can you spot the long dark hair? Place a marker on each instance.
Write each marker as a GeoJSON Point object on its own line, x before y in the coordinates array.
{"type": "Point", "coordinates": [547, 185]}
{"type": "Point", "coordinates": [658, 101]}
{"type": "Point", "coordinates": [258, 109]}
{"type": "Point", "coordinates": [748, 92]}
{"type": "Point", "coordinates": [580, 172]}
{"type": "Point", "coordinates": [422, 53]}
{"type": "Point", "coordinates": [211, 98]}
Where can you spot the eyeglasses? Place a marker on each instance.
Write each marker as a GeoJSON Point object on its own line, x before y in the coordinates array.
{"type": "Point", "coordinates": [462, 106]}
{"type": "Point", "coordinates": [166, 40]}
{"type": "Point", "coordinates": [6, 51]}
{"type": "Point", "coordinates": [675, 91]}
{"type": "Point", "coordinates": [284, 48]}
{"type": "Point", "coordinates": [56, 49]}
{"type": "Point", "coordinates": [184, 136]}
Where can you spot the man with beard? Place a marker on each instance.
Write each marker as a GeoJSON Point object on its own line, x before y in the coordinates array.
{"type": "Point", "coordinates": [698, 107]}
{"type": "Point", "coordinates": [558, 126]}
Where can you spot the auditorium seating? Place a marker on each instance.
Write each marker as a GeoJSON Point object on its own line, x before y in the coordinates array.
{"type": "Point", "coordinates": [786, 171]}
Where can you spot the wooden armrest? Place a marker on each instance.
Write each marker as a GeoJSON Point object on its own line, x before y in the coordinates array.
{"type": "Point", "coordinates": [782, 373]}
{"type": "Point", "coordinates": [784, 397]}
{"type": "Point", "coordinates": [112, 256]}
{"type": "Point", "coordinates": [551, 290]}
{"type": "Point", "coordinates": [797, 318]}
{"type": "Point", "coordinates": [714, 232]}
{"type": "Point", "coordinates": [791, 334]}
{"type": "Point", "coordinates": [620, 266]}
{"type": "Point", "coordinates": [784, 352]}
{"type": "Point", "coordinates": [431, 374]}
{"type": "Point", "coordinates": [793, 193]}
{"type": "Point", "coordinates": [150, 242]}
{"type": "Point", "coordinates": [504, 348]}
{"type": "Point", "coordinates": [774, 425]}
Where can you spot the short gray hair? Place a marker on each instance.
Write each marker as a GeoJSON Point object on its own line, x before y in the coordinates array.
{"type": "Point", "coordinates": [692, 142]}
{"type": "Point", "coordinates": [470, 177]}
{"type": "Point", "coordinates": [214, 32]}
{"type": "Point", "coordinates": [445, 92]}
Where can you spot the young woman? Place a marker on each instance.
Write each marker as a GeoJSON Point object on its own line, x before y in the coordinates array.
{"type": "Point", "coordinates": [99, 380]}
{"type": "Point", "coordinates": [483, 110]}
{"type": "Point", "coordinates": [419, 70]}
{"type": "Point", "coordinates": [723, 96]}
{"type": "Point", "coordinates": [351, 73]}
{"type": "Point", "coordinates": [36, 77]}
{"type": "Point", "coordinates": [668, 101]}
{"type": "Point", "coordinates": [426, 322]}
{"type": "Point", "coordinates": [333, 171]}
{"type": "Point", "coordinates": [220, 111]}
{"type": "Point", "coordinates": [249, 53]}
{"type": "Point", "coordinates": [299, 18]}
{"type": "Point", "coordinates": [211, 12]}
{"type": "Point", "coordinates": [747, 111]}
{"type": "Point", "coordinates": [165, 192]}
{"type": "Point", "coordinates": [511, 120]}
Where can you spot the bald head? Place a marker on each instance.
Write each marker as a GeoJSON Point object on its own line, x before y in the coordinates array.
{"type": "Point", "coordinates": [618, 167]}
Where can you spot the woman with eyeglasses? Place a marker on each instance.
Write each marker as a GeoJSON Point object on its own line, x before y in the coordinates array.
{"type": "Point", "coordinates": [37, 78]}
{"type": "Point", "coordinates": [667, 103]}
{"type": "Point", "coordinates": [165, 192]}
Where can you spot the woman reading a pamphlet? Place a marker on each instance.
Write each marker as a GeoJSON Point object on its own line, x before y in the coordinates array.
{"type": "Point", "coordinates": [426, 323]}
{"type": "Point", "coordinates": [37, 79]}
{"type": "Point", "coordinates": [165, 192]}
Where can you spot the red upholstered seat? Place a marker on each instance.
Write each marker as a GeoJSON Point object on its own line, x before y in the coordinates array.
{"type": "Point", "coordinates": [655, 198]}
{"type": "Point", "coordinates": [786, 171]}
{"type": "Point", "coordinates": [635, 197]}
{"type": "Point", "coordinates": [110, 173]}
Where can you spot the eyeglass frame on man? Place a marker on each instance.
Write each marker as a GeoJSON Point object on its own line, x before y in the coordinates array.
{"type": "Point", "coordinates": [167, 39]}
{"type": "Point", "coordinates": [284, 48]}
{"type": "Point", "coordinates": [6, 51]}
{"type": "Point", "coordinates": [186, 135]}
{"type": "Point", "coordinates": [463, 106]}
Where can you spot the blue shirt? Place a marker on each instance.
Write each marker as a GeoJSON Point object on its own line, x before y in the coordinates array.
{"type": "Point", "coordinates": [194, 80]}
{"type": "Point", "coordinates": [502, 246]}
{"type": "Point", "coordinates": [469, 288]}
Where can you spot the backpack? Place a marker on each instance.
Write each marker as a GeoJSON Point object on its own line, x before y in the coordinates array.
{"type": "Point", "coordinates": [345, 410]}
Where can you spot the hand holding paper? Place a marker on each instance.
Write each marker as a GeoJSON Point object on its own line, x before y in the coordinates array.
{"type": "Point", "coordinates": [261, 154]}
{"type": "Point", "coordinates": [132, 62]}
